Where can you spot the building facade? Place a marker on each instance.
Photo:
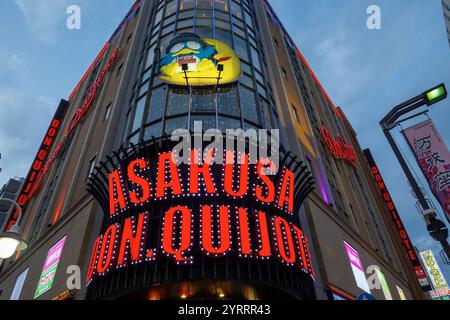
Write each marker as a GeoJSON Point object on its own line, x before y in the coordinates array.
{"type": "Point", "coordinates": [228, 64]}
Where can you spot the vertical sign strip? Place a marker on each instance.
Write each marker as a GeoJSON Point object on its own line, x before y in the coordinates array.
{"type": "Point", "coordinates": [398, 223]}
{"type": "Point", "coordinates": [435, 274]}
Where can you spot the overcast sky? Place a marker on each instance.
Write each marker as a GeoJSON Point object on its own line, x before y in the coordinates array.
{"type": "Point", "coordinates": [366, 72]}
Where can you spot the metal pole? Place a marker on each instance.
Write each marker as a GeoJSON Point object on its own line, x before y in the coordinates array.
{"type": "Point", "coordinates": [422, 200]}
{"type": "Point", "coordinates": [18, 208]}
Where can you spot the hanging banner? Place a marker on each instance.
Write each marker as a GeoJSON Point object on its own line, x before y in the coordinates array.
{"type": "Point", "coordinates": [433, 158]}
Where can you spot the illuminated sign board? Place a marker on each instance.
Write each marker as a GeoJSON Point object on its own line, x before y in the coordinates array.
{"type": "Point", "coordinates": [39, 161]}
{"type": "Point", "coordinates": [339, 147]}
{"type": "Point", "coordinates": [401, 293]}
{"type": "Point", "coordinates": [435, 274]}
{"type": "Point", "coordinates": [193, 61]}
{"type": "Point", "coordinates": [384, 284]}
{"type": "Point", "coordinates": [406, 241]}
{"type": "Point", "coordinates": [357, 267]}
{"type": "Point", "coordinates": [158, 210]}
{"type": "Point", "coordinates": [50, 266]}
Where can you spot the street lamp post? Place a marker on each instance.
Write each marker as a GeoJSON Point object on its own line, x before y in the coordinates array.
{"type": "Point", "coordinates": [436, 228]}
{"type": "Point", "coordinates": [11, 241]}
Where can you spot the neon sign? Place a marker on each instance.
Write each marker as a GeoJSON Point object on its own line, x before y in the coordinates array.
{"type": "Point", "coordinates": [406, 241]}
{"type": "Point", "coordinates": [157, 209]}
{"type": "Point", "coordinates": [339, 147]}
{"type": "Point", "coordinates": [92, 93]}
{"type": "Point", "coordinates": [38, 163]}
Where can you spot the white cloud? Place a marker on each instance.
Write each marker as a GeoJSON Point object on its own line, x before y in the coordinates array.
{"type": "Point", "coordinates": [43, 17]}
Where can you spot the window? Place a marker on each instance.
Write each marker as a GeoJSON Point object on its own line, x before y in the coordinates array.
{"type": "Point", "coordinates": [175, 124]}
{"type": "Point", "coordinates": [227, 101]}
{"type": "Point", "coordinates": [248, 105]}
{"type": "Point", "coordinates": [140, 106]}
{"type": "Point", "coordinates": [284, 72]}
{"type": "Point", "coordinates": [178, 102]}
{"type": "Point", "coordinates": [153, 130]}
{"type": "Point", "coordinates": [203, 101]}
{"type": "Point", "coordinates": [157, 103]}
{"type": "Point", "coordinates": [129, 38]}
{"type": "Point", "coordinates": [226, 123]}
{"type": "Point", "coordinates": [187, 4]}
{"type": "Point", "coordinates": [119, 70]}
{"type": "Point", "coordinates": [107, 111]}
{"type": "Point", "coordinates": [15, 295]}
{"type": "Point", "coordinates": [91, 167]}
{"type": "Point", "coordinates": [208, 122]}
{"type": "Point", "coordinates": [295, 112]}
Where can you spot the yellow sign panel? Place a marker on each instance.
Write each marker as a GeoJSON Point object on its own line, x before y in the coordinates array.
{"type": "Point", "coordinates": [192, 61]}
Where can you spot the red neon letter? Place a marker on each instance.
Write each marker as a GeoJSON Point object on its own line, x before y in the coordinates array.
{"type": "Point", "coordinates": [133, 240]}
{"type": "Point", "coordinates": [92, 270]}
{"type": "Point", "coordinates": [263, 236]}
{"type": "Point", "coordinates": [196, 171]}
{"type": "Point", "coordinates": [224, 236]}
{"type": "Point", "coordinates": [244, 233]}
{"type": "Point", "coordinates": [259, 190]}
{"type": "Point", "coordinates": [229, 175]}
{"type": "Point", "coordinates": [283, 238]}
{"type": "Point", "coordinates": [107, 255]}
{"type": "Point", "coordinates": [141, 182]}
{"type": "Point", "coordinates": [184, 234]}
{"type": "Point", "coordinates": [117, 200]}
{"type": "Point", "coordinates": [287, 191]}
{"type": "Point", "coordinates": [162, 184]}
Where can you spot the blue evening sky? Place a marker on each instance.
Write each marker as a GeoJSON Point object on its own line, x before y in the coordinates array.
{"type": "Point", "coordinates": [366, 72]}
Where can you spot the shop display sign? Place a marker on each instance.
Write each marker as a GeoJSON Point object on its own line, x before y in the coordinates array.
{"type": "Point", "coordinates": [435, 274]}
{"type": "Point", "coordinates": [50, 267]}
{"type": "Point", "coordinates": [384, 284]}
{"type": "Point", "coordinates": [357, 267]}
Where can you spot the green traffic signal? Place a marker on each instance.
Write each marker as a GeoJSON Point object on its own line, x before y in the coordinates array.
{"type": "Point", "coordinates": [436, 94]}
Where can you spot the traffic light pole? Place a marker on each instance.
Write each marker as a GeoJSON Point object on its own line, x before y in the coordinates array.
{"type": "Point", "coordinates": [435, 227]}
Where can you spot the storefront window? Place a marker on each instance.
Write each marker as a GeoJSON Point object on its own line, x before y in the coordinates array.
{"type": "Point", "coordinates": [248, 105]}
{"type": "Point", "coordinates": [178, 102]}
{"type": "Point", "coordinates": [157, 102]}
